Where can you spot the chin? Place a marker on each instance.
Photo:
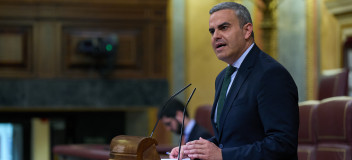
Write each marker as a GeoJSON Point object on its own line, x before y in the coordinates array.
{"type": "Point", "coordinates": [220, 57]}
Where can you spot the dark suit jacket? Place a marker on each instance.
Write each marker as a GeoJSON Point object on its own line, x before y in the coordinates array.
{"type": "Point", "coordinates": [260, 117]}
{"type": "Point", "coordinates": [198, 131]}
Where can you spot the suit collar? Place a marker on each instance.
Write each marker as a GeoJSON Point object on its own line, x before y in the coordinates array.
{"type": "Point", "coordinates": [240, 60]}
{"type": "Point", "coordinates": [243, 73]}
{"type": "Point", "coordinates": [189, 127]}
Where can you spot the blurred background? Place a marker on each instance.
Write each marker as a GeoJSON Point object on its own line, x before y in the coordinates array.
{"type": "Point", "coordinates": [84, 71]}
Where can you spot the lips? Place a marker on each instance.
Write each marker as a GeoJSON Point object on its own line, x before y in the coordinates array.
{"type": "Point", "coordinates": [219, 45]}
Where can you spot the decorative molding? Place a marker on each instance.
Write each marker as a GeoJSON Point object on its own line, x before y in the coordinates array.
{"type": "Point", "coordinates": [342, 10]}
{"type": "Point", "coordinates": [339, 7]}
{"type": "Point", "coordinates": [57, 27]}
{"type": "Point", "coordinates": [16, 50]}
{"type": "Point", "coordinates": [84, 11]}
{"type": "Point", "coordinates": [128, 56]}
{"type": "Point", "coordinates": [268, 25]}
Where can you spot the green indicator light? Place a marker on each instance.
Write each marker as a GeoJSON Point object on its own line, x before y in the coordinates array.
{"type": "Point", "coordinates": [108, 47]}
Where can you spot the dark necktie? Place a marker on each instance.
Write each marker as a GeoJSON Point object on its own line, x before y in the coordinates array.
{"type": "Point", "coordinates": [229, 71]}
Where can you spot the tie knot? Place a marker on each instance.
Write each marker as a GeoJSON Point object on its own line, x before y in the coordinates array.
{"type": "Point", "coordinates": [229, 71]}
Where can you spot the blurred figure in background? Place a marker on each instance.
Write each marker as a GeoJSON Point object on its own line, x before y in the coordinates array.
{"type": "Point", "coordinates": [172, 118]}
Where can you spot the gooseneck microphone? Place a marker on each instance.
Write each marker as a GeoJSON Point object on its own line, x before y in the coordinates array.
{"type": "Point", "coordinates": [183, 123]}
{"type": "Point", "coordinates": [167, 102]}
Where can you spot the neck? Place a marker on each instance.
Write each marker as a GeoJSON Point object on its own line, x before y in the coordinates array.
{"type": "Point", "coordinates": [233, 60]}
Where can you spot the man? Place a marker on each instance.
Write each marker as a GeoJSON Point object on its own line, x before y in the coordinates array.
{"type": "Point", "coordinates": [256, 116]}
{"type": "Point", "coordinates": [172, 118]}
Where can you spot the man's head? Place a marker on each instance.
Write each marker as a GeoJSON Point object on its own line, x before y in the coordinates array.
{"type": "Point", "coordinates": [172, 116]}
{"type": "Point", "coordinates": [230, 26]}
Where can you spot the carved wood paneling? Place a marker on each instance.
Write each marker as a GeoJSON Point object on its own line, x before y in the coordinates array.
{"type": "Point", "coordinates": [16, 50]}
{"type": "Point", "coordinates": [159, 67]}
{"type": "Point", "coordinates": [59, 25]}
{"type": "Point", "coordinates": [85, 10]}
{"type": "Point", "coordinates": [129, 55]}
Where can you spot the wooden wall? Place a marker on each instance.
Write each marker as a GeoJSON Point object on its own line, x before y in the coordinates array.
{"type": "Point", "coordinates": [38, 38]}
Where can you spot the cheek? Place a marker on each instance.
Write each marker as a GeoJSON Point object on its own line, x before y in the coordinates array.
{"type": "Point", "coordinates": [232, 39]}
{"type": "Point", "coordinates": [212, 44]}
{"type": "Point", "coordinates": [234, 42]}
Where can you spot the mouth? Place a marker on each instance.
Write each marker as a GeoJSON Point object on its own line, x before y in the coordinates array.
{"type": "Point", "coordinates": [219, 45]}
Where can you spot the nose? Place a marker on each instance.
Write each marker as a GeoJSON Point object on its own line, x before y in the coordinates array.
{"type": "Point", "coordinates": [216, 35]}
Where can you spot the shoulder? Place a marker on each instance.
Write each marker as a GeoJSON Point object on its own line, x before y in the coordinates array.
{"type": "Point", "coordinates": [269, 66]}
{"type": "Point", "coordinates": [266, 69]}
{"type": "Point", "coordinates": [272, 75]}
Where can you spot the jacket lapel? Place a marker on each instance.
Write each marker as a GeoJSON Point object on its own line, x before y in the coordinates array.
{"type": "Point", "coordinates": [242, 74]}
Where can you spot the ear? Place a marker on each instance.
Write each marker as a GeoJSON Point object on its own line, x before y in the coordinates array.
{"type": "Point", "coordinates": [247, 29]}
{"type": "Point", "coordinates": [179, 116]}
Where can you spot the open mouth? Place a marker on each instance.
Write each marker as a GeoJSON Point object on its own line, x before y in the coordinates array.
{"type": "Point", "coordinates": [218, 45]}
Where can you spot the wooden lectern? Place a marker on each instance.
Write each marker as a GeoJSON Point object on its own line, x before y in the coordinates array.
{"type": "Point", "coordinates": [133, 148]}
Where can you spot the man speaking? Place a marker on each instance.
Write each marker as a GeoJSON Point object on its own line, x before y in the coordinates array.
{"type": "Point", "coordinates": [255, 111]}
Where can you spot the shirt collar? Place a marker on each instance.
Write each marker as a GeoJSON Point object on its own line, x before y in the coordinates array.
{"type": "Point", "coordinates": [238, 63]}
{"type": "Point", "coordinates": [189, 127]}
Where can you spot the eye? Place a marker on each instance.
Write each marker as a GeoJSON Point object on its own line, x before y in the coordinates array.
{"type": "Point", "coordinates": [167, 123]}
{"type": "Point", "coordinates": [211, 31]}
{"type": "Point", "coordinates": [224, 27]}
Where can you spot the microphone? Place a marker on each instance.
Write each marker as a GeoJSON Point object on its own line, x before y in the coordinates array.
{"type": "Point", "coordinates": [183, 122]}
{"type": "Point", "coordinates": [167, 102]}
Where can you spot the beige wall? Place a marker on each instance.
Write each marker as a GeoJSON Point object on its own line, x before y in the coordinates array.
{"type": "Point", "coordinates": [330, 54]}
{"type": "Point", "coordinates": [202, 64]}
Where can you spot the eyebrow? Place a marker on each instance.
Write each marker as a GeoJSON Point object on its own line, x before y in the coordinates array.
{"type": "Point", "coordinates": [223, 24]}
{"type": "Point", "coordinates": [220, 25]}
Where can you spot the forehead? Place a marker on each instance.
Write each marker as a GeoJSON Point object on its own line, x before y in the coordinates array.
{"type": "Point", "coordinates": [221, 16]}
{"type": "Point", "coordinates": [166, 119]}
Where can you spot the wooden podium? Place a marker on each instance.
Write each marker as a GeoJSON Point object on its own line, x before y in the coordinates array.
{"type": "Point", "coordinates": [125, 147]}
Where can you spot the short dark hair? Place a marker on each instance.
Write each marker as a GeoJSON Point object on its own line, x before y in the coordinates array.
{"type": "Point", "coordinates": [171, 109]}
{"type": "Point", "coordinates": [241, 12]}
